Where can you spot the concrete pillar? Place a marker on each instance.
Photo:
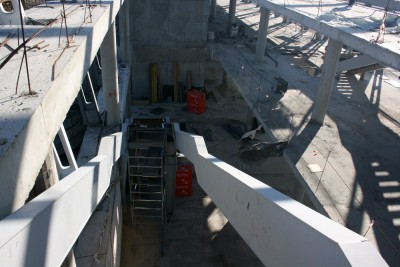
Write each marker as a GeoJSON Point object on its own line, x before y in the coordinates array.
{"type": "Point", "coordinates": [327, 80]}
{"type": "Point", "coordinates": [231, 15]}
{"type": "Point", "coordinates": [213, 11]}
{"type": "Point", "coordinates": [262, 34]}
{"type": "Point", "coordinates": [124, 32]}
{"type": "Point", "coordinates": [108, 51]}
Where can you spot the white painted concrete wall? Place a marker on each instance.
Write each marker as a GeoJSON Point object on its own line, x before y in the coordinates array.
{"type": "Point", "coordinates": [279, 230]}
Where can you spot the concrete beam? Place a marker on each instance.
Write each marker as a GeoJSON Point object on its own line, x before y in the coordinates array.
{"type": "Point", "coordinates": [355, 63]}
{"type": "Point", "coordinates": [327, 80]}
{"type": "Point", "coordinates": [262, 35]}
{"type": "Point", "coordinates": [306, 13]}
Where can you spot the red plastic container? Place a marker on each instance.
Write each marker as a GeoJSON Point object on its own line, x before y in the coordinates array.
{"type": "Point", "coordinates": [184, 175]}
{"type": "Point", "coordinates": [196, 101]}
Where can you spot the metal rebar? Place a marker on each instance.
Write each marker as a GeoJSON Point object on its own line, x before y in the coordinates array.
{"type": "Point", "coordinates": [66, 26]}
{"type": "Point", "coordinates": [84, 13]}
{"type": "Point", "coordinates": [19, 73]}
{"type": "Point", "coordinates": [55, 63]}
{"type": "Point", "coordinates": [23, 39]}
{"type": "Point", "coordinates": [13, 53]}
{"type": "Point", "coordinates": [59, 34]}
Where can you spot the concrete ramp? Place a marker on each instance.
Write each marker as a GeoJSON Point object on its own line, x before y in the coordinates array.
{"type": "Point", "coordinates": [279, 230]}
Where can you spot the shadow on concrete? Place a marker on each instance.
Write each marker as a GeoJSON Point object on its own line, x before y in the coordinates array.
{"type": "Point", "coordinates": [374, 150]}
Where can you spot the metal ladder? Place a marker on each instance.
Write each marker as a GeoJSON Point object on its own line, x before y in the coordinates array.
{"type": "Point", "coordinates": [147, 173]}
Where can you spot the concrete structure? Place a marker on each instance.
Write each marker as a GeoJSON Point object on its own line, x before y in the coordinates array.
{"type": "Point", "coordinates": [213, 11]}
{"type": "Point", "coordinates": [108, 52]}
{"type": "Point", "coordinates": [231, 16]}
{"type": "Point", "coordinates": [331, 61]}
{"type": "Point", "coordinates": [262, 35]}
{"type": "Point", "coordinates": [165, 33]}
{"type": "Point", "coordinates": [91, 194]}
{"type": "Point", "coordinates": [309, 16]}
{"type": "Point", "coordinates": [241, 197]}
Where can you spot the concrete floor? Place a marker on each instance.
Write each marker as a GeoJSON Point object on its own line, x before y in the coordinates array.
{"type": "Point", "coordinates": [357, 147]}
{"type": "Point", "coordinates": [197, 234]}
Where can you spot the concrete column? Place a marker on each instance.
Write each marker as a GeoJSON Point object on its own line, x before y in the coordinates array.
{"type": "Point", "coordinates": [262, 34]}
{"type": "Point", "coordinates": [108, 51]}
{"type": "Point", "coordinates": [285, 20]}
{"type": "Point", "coordinates": [231, 15]}
{"type": "Point", "coordinates": [124, 51]}
{"type": "Point", "coordinates": [298, 193]}
{"type": "Point", "coordinates": [319, 36]}
{"type": "Point", "coordinates": [213, 11]}
{"type": "Point", "coordinates": [327, 81]}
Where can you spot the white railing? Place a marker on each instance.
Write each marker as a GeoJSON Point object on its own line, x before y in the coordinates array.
{"type": "Point", "coordinates": [279, 230]}
{"type": "Point", "coordinates": [42, 232]}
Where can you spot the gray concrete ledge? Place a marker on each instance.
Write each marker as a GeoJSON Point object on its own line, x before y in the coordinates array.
{"type": "Point", "coordinates": [29, 124]}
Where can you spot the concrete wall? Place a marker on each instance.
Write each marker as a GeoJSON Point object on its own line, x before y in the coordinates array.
{"type": "Point", "coordinates": [165, 32]}
{"type": "Point", "coordinates": [168, 24]}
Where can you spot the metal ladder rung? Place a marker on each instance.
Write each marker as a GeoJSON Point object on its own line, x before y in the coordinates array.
{"type": "Point", "coordinates": [146, 208]}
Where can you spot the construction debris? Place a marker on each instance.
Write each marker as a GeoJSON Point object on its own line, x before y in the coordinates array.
{"type": "Point", "coordinates": [235, 128]}
{"type": "Point", "coordinates": [251, 134]}
{"type": "Point", "coordinates": [263, 150]}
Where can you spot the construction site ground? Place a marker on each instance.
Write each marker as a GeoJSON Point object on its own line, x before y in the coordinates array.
{"type": "Point", "coordinates": [348, 166]}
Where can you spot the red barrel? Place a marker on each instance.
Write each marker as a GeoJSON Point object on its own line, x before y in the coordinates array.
{"type": "Point", "coordinates": [196, 101]}
{"type": "Point", "coordinates": [184, 175]}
